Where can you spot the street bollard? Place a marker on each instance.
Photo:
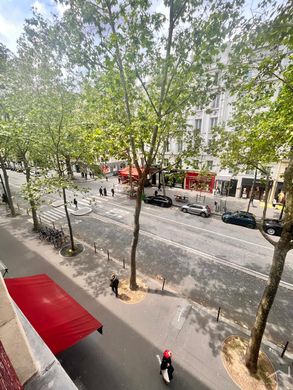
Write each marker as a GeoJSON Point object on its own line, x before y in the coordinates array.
{"type": "Point", "coordinates": [95, 246]}
{"type": "Point", "coordinates": [164, 280]}
{"type": "Point", "coordinates": [284, 350]}
{"type": "Point", "coordinates": [108, 255]}
{"type": "Point", "coordinates": [123, 263]}
{"type": "Point", "coordinates": [219, 310]}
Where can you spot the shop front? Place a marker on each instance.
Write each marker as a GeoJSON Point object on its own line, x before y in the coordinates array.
{"type": "Point", "coordinates": [259, 188]}
{"type": "Point", "coordinates": [225, 186]}
{"type": "Point", "coordinates": [198, 182]}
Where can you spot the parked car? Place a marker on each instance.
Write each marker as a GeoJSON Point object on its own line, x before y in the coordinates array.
{"type": "Point", "coordinates": [197, 209]}
{"type": "Point", "coordinates": [159, 200]}
{"type": "Point", "coordinates": [241, 218]}
{"type": "Point", "coordinates": [273, 227]}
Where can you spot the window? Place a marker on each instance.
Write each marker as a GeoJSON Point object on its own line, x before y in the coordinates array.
{"type": "Point", "coordinates": [213, 122]}
{"type": "Point", "coordinates": [167, 145]}
{"type": "Point", "coordinates": [210, 165]}
{"type": "Point", "coordinates": [197, 124]}
{"type": "Point", "coordinates": [216, 102]}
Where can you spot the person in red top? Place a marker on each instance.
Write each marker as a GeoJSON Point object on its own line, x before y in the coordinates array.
{"type": "Point", "coordinates": [166, 366]}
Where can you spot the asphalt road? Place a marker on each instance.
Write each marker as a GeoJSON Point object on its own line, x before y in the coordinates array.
{"type": "Point", "coordinates": [206, 260]}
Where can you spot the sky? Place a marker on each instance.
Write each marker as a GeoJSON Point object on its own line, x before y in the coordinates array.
{"type": "Point", "coordinates": [13, 14]}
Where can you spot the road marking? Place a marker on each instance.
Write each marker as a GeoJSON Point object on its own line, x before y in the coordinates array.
{"type": "Point", "coordinates": [197, 228]}
{"type": "Point", "coordinates": [204, 255]}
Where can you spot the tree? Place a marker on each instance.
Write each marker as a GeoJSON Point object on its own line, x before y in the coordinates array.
{"type": "Point", "coordinates": [262, 124]}
{"type": "Point", "coordinates": [158, 68]}
{"type": "Point", "coordinates": [52, 110]}
{"type": "Point", "coordinates": [6, 59]}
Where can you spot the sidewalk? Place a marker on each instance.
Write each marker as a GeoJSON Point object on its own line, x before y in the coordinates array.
{"type": "Point", "coordinates": [163, 320]}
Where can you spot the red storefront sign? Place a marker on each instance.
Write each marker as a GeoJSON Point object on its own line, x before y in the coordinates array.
{"type": "Point", "coordinates": [196, 181]}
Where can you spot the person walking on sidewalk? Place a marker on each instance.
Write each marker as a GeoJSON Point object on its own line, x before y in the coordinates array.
{"type": "Point", "coordinates": [105, 191]}
{"type": "Point", "coordinates": [113, 191]}
{"type": "Point", "coordinates": [166, 368]}
{"type": "Point", "coordinates": [114, 283]}
{"type": "Point", "coordinates": [101, 191]}
{"type": "Point", "coordinates": [75, 203]}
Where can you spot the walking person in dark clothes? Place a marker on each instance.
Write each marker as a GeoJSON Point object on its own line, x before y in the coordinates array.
{"type": "Point", "coordinates": [101, 191]}
{"type": "Point", "coordinates": [166, 368]}
{"type": "Point", "coordinates": [85, 175]}
{"type": "Point", "coordinates": [113, 192]}
{"type": "Point", "coordinates": [105, 191]}
{"type": "Point", "coordinates": [75, 203]}
{"type": "Point", "coordinates": [114, 282]}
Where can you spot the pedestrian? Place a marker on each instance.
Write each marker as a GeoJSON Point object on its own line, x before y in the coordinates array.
{"type": "Point", "coordinates": [274, 202]}
{"type": "Point", "coordinates": [106, 178]}
{"type": "Point", "coordinates": [101, 191]}
{"type": "Point", "coordinates": [85, 175]}
{"type": "Point", "coordinates": [4, 198]}
{"type": "Point", "coordinates": [159, 186]}
{"type": "Point", "coordinates": [119, 180]}
{"type": "Point", "coordinates": [113, 192]}
{"type": "Point", "coordinates": [114, 283]}
{"type": "Point", "coordinates": [75, 203]}
{"type": "Point", "coordinates": [166, 368]}
{"type": "Point", "coordinates": [156, 193]}
{"type": "Point", "coordinates": [90, 174]}
{"type": "Point", "coordinates": [105, 191]}
{"type": "Point", "coordinates": [82, 174]}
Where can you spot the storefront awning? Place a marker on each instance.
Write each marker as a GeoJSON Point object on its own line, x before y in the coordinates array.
{"type": "Point", "coordinates": [125, 172]}
{"type": "Point", "coordinates": [56, 316]}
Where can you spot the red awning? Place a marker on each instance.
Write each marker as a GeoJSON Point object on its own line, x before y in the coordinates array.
{"type": "Point", "coordinates": [55, 315]}
{"type": "Point", "coordinates": [125, 172]}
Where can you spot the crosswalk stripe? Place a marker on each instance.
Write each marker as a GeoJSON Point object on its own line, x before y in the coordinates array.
{"type": "Point", "coordinates": [53, 214]}
{"type": "Point", "coordinates": [59, 212]}
{"type": "Point", "coordinates": [46, 219]}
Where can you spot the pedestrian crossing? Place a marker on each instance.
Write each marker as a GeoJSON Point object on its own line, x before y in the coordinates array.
{"type": "Point", "coordinates": [57, 213]}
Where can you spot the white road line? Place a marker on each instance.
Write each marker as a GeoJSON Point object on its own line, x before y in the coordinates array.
{"type": "Point", "coordinates": [51, 213]}
{"type": "Point", "coordinates": [199, 228]}
{"type": "Point", "coordinates": [46, 219]}
{"type": "Point", "coordinates": [61, 213]}
{"type": "Point", "coordinates": [203, 255]}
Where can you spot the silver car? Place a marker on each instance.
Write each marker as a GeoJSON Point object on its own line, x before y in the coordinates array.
{"type": "Point", "coordinates": [198, 209]}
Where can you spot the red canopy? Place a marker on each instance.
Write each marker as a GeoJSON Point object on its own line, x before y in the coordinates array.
{"type": "Point", "coordinates": [55, 315]}
{"type": "Point", "coordinates": [125, 172]}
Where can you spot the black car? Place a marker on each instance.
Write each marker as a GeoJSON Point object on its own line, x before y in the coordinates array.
{"type": "Point", "coordinates": [273, 227]}
{"type": "Point", "coordinates": [159, 200]}
{"type": "Point", "coordinates": [241, 218]}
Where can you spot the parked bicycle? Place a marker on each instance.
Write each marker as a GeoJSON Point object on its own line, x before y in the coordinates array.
{"type": "Point", "coordinates": [53, 236]}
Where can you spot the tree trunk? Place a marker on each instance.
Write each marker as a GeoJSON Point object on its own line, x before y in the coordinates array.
{"type": "Point", "coordinates": [266, 303]}
{"type": "Point", "coordinates": [133, 284]}
{"type": "Point", "coordinates": [68, 167]}
{"type": "Point", "coordinates": [7, 187]}
{"type": "Point", "coordinates": [31, 200]}
{"type": "Point", "coordinates": [252, 191]}
{"type": "Point", "coordinates": [68, 220]}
